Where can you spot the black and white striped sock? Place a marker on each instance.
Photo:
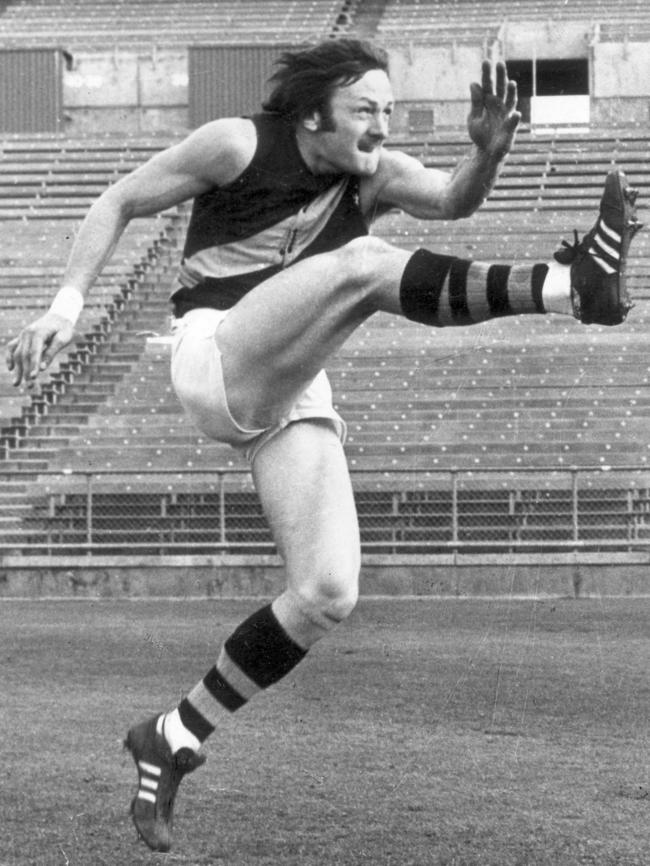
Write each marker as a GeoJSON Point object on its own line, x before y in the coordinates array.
{"type": "Point", "coordinates": [443, 290]}
{"type": "Point", "coordinates": [257, 654]}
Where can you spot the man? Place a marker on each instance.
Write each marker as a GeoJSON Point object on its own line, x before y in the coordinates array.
{"type": "Point", "coordinates": [277, 271]}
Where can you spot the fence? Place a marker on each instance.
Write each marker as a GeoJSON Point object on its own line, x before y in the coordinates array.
{"type": "Point", "coordinates": [400, 512]}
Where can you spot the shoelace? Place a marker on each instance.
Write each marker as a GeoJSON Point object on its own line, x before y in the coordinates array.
{"type": "Point", "coordinates": [569, 252]}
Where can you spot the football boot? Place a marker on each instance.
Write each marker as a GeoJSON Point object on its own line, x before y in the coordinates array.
{"type": "Point", "coordinates": [159, 775]}
{"type": "Point", "coordinates": [598, 261]}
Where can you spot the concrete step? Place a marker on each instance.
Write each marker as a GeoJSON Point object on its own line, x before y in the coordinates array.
{"type": "Point", "coordinates": [15, 464]}
{"type": "Point", "coordinates": [29, 453]}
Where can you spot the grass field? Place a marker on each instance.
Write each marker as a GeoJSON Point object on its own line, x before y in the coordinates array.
{"type": "Point", "coordinates": [481, 733]}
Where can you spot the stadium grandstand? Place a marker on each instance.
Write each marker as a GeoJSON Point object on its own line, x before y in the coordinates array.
{"type": "Point", "coordinates": [523, 441]}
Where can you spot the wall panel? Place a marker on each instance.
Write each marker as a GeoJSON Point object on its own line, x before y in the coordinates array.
{"type": "Point", "coordinates": [228, 80]}
{"type": "Point", "coordinates": [30, 90]}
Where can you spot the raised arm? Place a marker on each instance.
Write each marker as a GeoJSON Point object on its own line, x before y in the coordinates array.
{"type": "Point", "coordinates": [429, 193]}
{"type": "Point", "coordinates": [212, 155]}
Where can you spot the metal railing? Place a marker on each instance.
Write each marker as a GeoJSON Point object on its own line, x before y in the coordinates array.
{"type": "Point", "coordinates": [400, 512]}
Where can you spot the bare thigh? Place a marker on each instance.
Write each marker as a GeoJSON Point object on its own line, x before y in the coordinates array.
{"type": "Point", "coordinates": [277, 338]}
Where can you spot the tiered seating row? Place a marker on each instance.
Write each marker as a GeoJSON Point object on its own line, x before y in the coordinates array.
{"type": "Point", "coordinates": [463, 19]}
{"type": "Point", "coordinates": [97, 23]}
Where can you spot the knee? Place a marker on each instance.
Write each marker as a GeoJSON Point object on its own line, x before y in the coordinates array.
{"type": "Point", "coordinates": [332, 592]}
{"type": "Point", "coordinates": [308, 610]}
{"type": "Point", "coordinates": [334, 595]}
{"type": "Point", "coordinates": [362, 258]}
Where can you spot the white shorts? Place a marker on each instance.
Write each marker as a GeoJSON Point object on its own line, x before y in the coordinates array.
{"type": "Point", "coordinates": [197, 377]}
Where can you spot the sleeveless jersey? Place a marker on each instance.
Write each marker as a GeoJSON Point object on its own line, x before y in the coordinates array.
{"type": "Point", "coordinates": [274, 214]}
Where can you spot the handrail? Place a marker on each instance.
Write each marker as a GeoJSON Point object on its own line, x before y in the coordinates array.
{"type": "Point", "coordinates": [462, 509]}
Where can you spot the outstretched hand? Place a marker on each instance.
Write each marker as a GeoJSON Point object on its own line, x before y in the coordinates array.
{"type": "Point", "coordinates": [493, 118]}
{"type": "Point", "coordinates": [34, 348]}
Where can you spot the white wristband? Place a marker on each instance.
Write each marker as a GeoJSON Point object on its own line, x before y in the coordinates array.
{"type": "Point", "coordinates": [68, 303]}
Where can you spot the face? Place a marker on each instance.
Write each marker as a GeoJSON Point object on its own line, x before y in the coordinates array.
{"type": "Point", "coordinates": [355, 129]}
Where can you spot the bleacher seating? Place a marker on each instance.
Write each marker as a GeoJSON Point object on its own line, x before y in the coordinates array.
{"type": "Point", "coordinates": [548, 171]}
{"type": "Point", "coordinates": [541, 392]}
{"type": "Point", "coordinates": [136, 24]}
{"type": "Point", "coordinates": [84, 24]}
{"type": "Point", "coordinates": [39, 225]}
{"type": "Point", "coordinates": [471, 20]}
{"type": "Point", "coordinates": [52, 177]}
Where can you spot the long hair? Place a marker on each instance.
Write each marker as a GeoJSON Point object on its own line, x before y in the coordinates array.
{"type": "Point", "coordinates": [306, 78]}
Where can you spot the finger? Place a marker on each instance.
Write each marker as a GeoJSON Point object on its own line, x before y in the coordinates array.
{"type": "Point", "coordinates": [476, 95]}
{"type": "Point", "coordinates": [9, 357]}
{"type": "Point", "coordinates": [33, 358]}
{"type": "Point", "coordinates": [15, 363]}
{"type": "Point", "coordinates": [509, 129]}
{"type": "Point", "coordinates": [19, 370]}
{"type": "Point", "coordinates": [511, 96]}
{"type": "Point", "coordinates": [486, 78]}
{"type": "Point", "coordinates": [502, 79]}
{"type": "Point", "coordinates": [51, 349]}
{"type": "Point", "coordinates": [512, 122]}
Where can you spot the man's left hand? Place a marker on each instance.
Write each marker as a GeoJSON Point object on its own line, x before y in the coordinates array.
{"type": "Point", "coordinates": [493, 118]}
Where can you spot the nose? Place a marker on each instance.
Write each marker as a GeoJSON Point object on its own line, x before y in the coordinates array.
{"type": "Point", "coordinates": [378, 133]}
{"type": "Point", "coordinates": [379, 126]}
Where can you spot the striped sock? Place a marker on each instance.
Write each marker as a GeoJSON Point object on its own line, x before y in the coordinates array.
{"type": "Point", "coordinates": [177, 735]}
{"type": "Point", "coordinates": [257, 654]}
{"type": "Point", "coordinates": [444, 290]}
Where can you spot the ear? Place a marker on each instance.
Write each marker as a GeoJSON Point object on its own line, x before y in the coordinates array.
{"type": "Point", "coordinates": [312, 123]}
